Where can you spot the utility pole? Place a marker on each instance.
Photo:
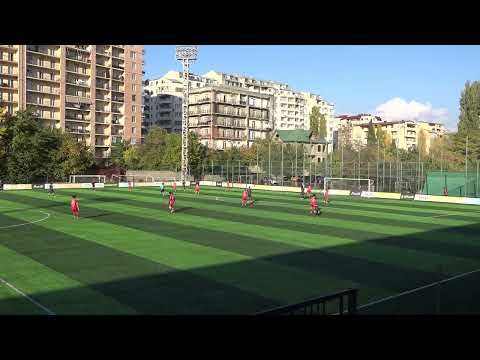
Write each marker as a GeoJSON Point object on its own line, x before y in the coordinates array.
{"type": "Point", "coordinates": [186, 55]}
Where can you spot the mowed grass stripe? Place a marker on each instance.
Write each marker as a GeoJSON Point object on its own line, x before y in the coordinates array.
{"type": "Point", "coordinates": [413, 217]}
{"type": "Point", "coordinates": [459, 241]}
{"type": "Point", "coordinates": [261, 276]}
{"type": "Point", "coordinates": [344, 267]}
{"type": "Point", "coordinates": [464, 212]}
{"type": "Point", "coordinates": [379, 251]}
{"type": "Point", "coordinates": [57, 292]}
{"type": "Point", "coordinates": [147, 286]}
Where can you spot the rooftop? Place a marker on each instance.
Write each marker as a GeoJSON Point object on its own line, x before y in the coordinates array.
{"type": "Point", "coordinates": [297, 136]}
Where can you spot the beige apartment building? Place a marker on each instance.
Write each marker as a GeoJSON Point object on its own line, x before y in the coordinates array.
{"type": "Point", "coordinates": [225, 117]}
{"type": "Point", "coordinates": [404, 134]}
{"type": "Point", "coordinates": [164, 97]}
{"type": "Point", "coordinates": [290, 109]}
{"type": "Point", "coordinates": [91, 91]}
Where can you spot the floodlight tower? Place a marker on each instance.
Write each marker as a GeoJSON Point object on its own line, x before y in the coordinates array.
{"type": "Point", "coordinates": [186, 55]}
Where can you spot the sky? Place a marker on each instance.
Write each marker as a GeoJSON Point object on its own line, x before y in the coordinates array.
{"type": "Point", "coordinates": [396, 82]}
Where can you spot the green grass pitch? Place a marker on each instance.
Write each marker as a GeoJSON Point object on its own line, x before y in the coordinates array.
{"type": "Point", "coordinates": [128, 255]}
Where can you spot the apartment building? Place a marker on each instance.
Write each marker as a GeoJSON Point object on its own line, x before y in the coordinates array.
{"type": "Point", "coordinates": [225, 117]}
{"type": "Point", "coordinates": [91, 91]}
{"type": "Point", "coordinates": [291, 109]}
{"type": "Point", "coordinates": [164, 98]}
{"type": "Point", "coordinates": [405, 134]}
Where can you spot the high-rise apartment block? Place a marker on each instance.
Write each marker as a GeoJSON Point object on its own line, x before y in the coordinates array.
{"type": "Point", "coordinates": [225, 117]}
{"type": "Point", "coordinates": [290, 109]}
{"type": "Point", "coordinates": [91, 91]}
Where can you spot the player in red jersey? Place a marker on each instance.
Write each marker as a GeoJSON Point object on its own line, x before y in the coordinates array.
{"type": "Point", "coordinates": [171, 202]}
{"type": "Point", "coordinates": [314, 205]}
{"type": "Point", "coordinates": [74, 207]}
{"type": "Point", "coordinates": [197, 188]}
{"type": "Point", "coordinates": [244, 198]}
{"type": "Point", "coordinates": [174, 186]}
{"type": "Point", "coordinates": [309, 190]}
{"type": "Point", "coordinates": [325, 196]}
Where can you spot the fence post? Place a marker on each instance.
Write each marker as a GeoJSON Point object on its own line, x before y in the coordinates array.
{"type": "Point", "coordinates": [221, 169]}
{"type": "Point", "coordinates": [239, 175]}
{"type": "Point", "coordinates": [282, 162]}
{"type": "Point", "coordinates": [212, 170]}
{"type": "Point", "coordinates": [227, 172]}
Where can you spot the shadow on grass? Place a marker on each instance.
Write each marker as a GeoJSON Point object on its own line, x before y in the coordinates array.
{"type": "Point", "coordinates": [241, 287]}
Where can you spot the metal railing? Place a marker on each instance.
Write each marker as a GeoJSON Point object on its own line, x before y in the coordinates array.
{"type": "Point", "coordinates": [318, 306]}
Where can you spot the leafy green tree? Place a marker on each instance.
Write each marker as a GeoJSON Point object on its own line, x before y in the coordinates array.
{"type": "Point", "coordinates": [197, 154]}
{"type": "Point", "coordinates": [72, 157]}
{"type": "Point", "coordinates": [371, 137]}
{"type": "Point", "coordinates": [422, 143]}
{"type": "Point", "coordinates": [117, 154]}
{"type": "Point", "coordinates": [381, 136]}
{"type": "Point", "coordinates": [131, 157]}
{"type": "Point", "coordinates": [470, 107]}
{"type": "Point", "coordinates": [322, 127]}
{"type": "Point", "coordinates": [315, 120]}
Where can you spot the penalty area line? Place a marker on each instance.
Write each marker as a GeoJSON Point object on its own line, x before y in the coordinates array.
{"type": "Point", "coordinates": [33, 301]}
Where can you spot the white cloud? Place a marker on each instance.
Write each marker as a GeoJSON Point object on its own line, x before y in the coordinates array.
{"type": "Point", "coordinates": [399, 109]}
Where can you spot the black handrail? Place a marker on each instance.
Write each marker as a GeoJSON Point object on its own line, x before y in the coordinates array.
{"type": "Point", "coordinates": [307, 306]}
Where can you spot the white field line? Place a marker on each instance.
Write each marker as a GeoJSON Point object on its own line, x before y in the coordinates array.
{"type": "Point", "coordinates": [417, 289]}
{"type": "Point", "coordinates": [33, 301]}
{"type": "Point", "coordinates": [28, 222]}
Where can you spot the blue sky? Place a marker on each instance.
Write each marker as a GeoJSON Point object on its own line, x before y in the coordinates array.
{"type": "Point", "coordinates": [423, 82]}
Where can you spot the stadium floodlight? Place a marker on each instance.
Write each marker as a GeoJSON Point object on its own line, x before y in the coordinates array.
{"type": "Point", "coordinates": [185, 54]}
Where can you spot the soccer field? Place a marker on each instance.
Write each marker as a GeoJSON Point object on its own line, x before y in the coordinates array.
{"type": "Point", "coordinates": [128, 255]}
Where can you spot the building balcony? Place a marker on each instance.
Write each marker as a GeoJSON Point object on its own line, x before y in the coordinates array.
{"type": "Point", "coordinates": [9, 72]}
{"type": "Point", "coordinates": [78, 58]}
{"type": "Point", "coordinates": [118, 66]}
{"type": "Point", "coordinates": [77, 106]}
{"type": "Point", "coordinates": [78, 82]}
{"type": "Point", "coordinates": [82, 48]}
{"type": "Point", "coordinates": [7, 86]}
{"type": "Point", "coordinates": [32, 103]}
{"type": "Point", "coordinates": [118, 99]}
{"type": "Point", "coordinates": [55, 91]}
{"type": "Point", "coordinates": [35, 49]}
{"type": "Point", "coordinates": [7, 60]}
{"type": "Point", "coordinates": [73, 118]}
{"type": "Point", "coordinates": [41, 65]}
{"type": "Point", "coordinates": [118, 89]}
{"type": "Point", "coordinates": [79, 73]}
{"type": "Point", "coordinates": [104, 87]}
{"type": "Point", "coordinates": [77, 131]}
{"type": "Point", "coordinates": [118, 78]}
{"type": "Point", "coordinates": [45, 77]}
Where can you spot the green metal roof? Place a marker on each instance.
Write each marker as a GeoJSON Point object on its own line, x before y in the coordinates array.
{"type": "Point", "coordinates": [297, 136]}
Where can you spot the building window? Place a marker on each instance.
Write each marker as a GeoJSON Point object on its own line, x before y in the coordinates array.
{"type": "Point", "coordinates": [134, 119]}
{"type": "Point", "coordinates": [134, 67]}
{"type": "Point", "coordinates": [133, 97]}
{"type": "Point", "coordinates": [133, 55]}
{"type": "Point", "coordinates": [134, 108]}
{"type": "Point", "coordinates": [134, 76]}
{"type": "Point", "coordinates": [134, 87]}
{"type": "Point", "coordinates": [134, 131]}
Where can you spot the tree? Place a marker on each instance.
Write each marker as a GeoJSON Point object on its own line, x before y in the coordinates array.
{"type": "Point", "coordinates": [117, 154]}
{"type": "Point", "coordinates": [197, 153]}
{"type": "Point", "coordinates": [322, 127]}
{"type": "Point", "coordinates": [131, 158]}
{"type": "Point", "coordinates": [381, 136]}
{"type": "Point", "coordinates": [72, 157]}
{"type": "Point", "coordinates": [422, 143]}
{"type": "Point", "coordinates": [371, 138]}
{"type": "Point", "coordinates": [469, 118]}
{"type": "Point", "coordinates": [315, 120]}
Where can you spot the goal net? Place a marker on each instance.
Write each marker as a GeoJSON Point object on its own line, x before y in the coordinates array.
{"type": "Point", "coordinates": [132, 178]}
{"type": "Point", "coordinates": [350, 184]}
{"type": "Point", "coordinates": [87, 179]}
